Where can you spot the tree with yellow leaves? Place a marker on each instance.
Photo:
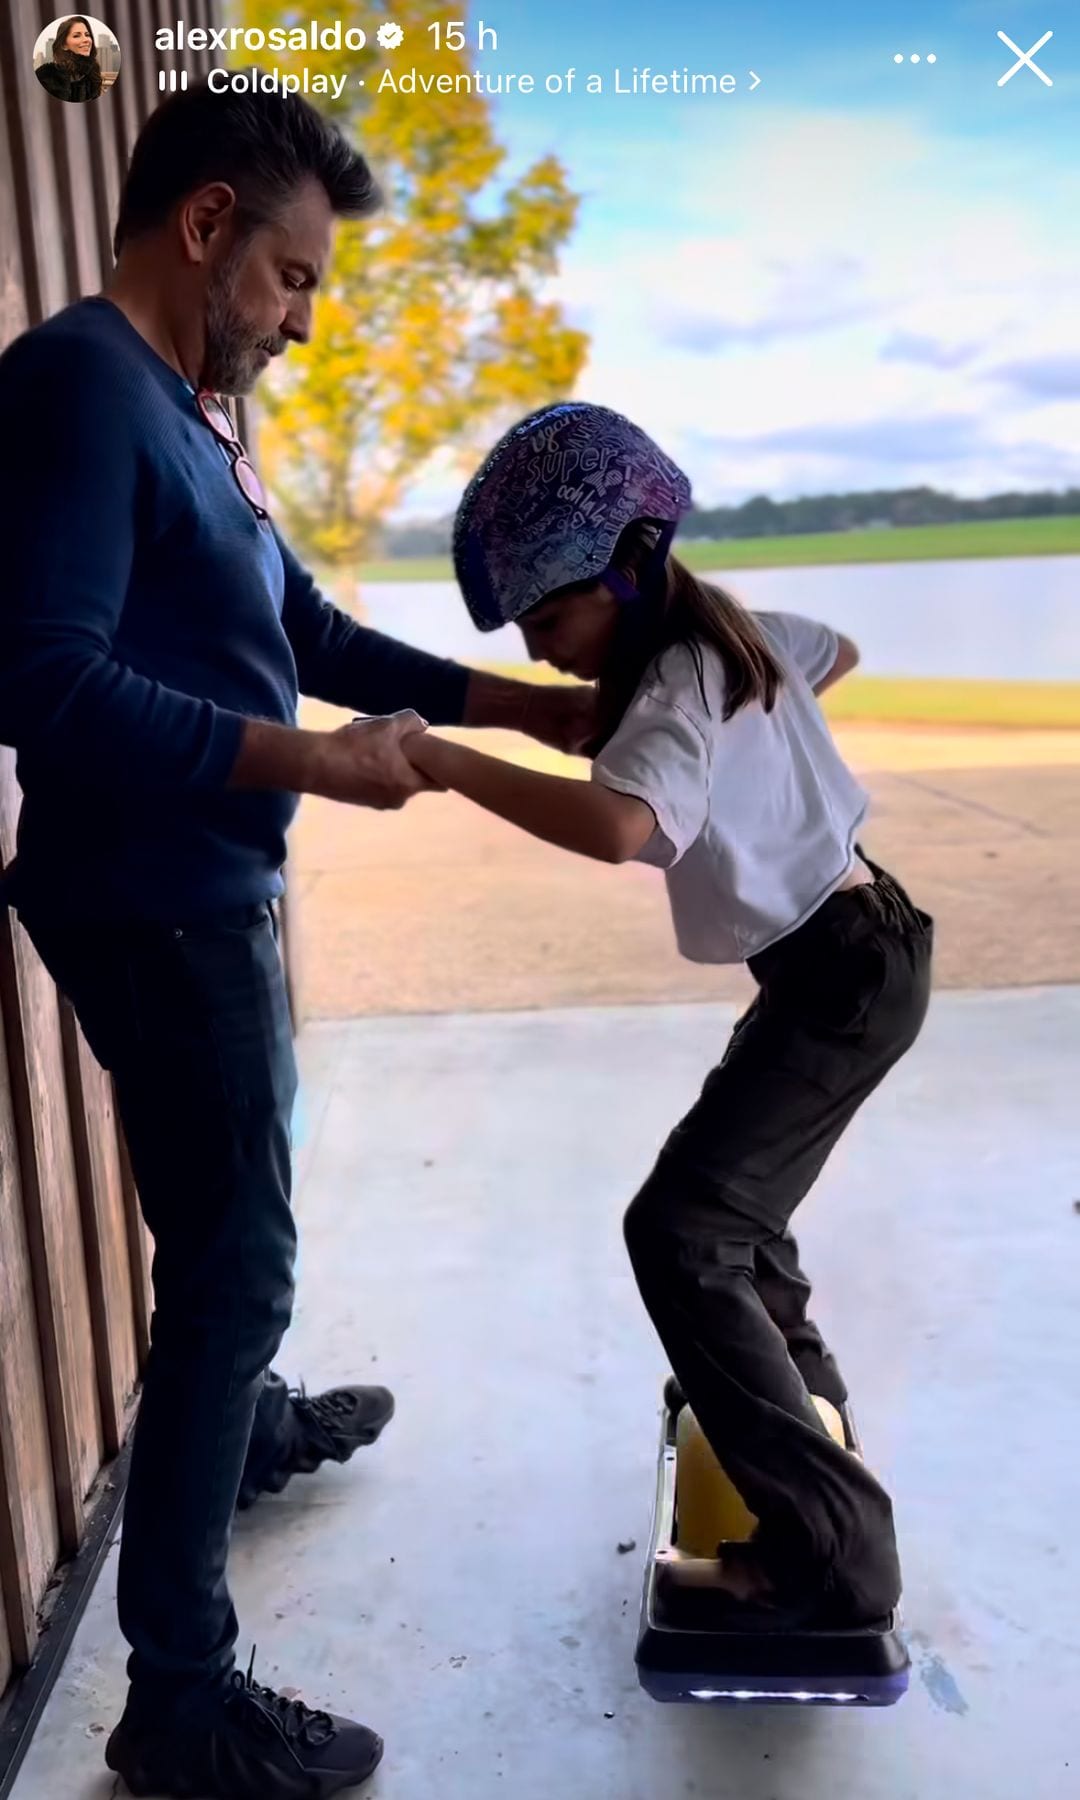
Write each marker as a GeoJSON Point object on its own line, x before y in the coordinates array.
{"type": "Point", "coordinates": [430, 330]}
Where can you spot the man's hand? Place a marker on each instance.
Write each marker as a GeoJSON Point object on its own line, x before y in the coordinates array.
{"type": "Point", "coordinates": [364, 764]}
{"type": "Point", "coordinates": [565, 718]}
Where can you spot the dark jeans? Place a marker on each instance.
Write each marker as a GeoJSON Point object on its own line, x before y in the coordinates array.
{"type": "Point", "coordinates": [193, 1022]}
{"type": "Point", "coordinates": [839, 1003]}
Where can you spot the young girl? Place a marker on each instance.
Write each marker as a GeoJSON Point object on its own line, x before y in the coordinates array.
{"type": "Point", "coordinates": [716, 765]}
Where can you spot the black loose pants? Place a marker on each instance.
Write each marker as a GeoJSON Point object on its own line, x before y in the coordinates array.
{"type": "Point", "coordinates": [840, 1000]}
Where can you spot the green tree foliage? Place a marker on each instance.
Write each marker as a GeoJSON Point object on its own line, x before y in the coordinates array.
{"type": "Point", "coordinates": [433, 328]}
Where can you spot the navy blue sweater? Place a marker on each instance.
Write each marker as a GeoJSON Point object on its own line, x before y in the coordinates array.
{"type": "Point", "coordinates": [145, 613]}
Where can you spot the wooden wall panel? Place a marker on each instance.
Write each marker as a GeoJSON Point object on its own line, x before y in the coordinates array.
{"type": "Point", "coordinates": [29, 1532]}
{"type": "Point", "coordinates": [94, 1131]}
{"type": "Point", "coordinates": [125, 97]}
{"type": "Point", "coordinates": [79, 209]}
{"type": "Point", "coordinates": [53, 1222]}
{"type": "Point", "coordinates": [163, 16]}
{"type": "Point", "coordinates": [41, 224]}
{"type": "Point", "coordinates": [135, 34]}
{"type": "Point", "coordinates": [6, 1664]}
{"type": "Point", "coordinates": [17, 1596]}
{"type": "Point", "coordinates": [13, 313]}
{"type": "Point", "coordinates": [106, 165]}
{"type": "Point", "coordinates": [188, 59]}
{"type": "Point", "coordinates": [71, 160]}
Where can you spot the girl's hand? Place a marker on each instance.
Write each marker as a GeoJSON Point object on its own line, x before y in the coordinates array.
{"type": "Point", "coordinates": [423, 751]}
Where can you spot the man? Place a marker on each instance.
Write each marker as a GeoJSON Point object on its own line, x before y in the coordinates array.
{"type": "Point", "coordinates": [154, 630]}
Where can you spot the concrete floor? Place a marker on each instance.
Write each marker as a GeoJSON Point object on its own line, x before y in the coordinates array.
{"type": "Point", "coordinates": [461, 1185]}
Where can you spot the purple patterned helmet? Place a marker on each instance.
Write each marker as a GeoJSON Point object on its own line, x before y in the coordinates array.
{"type": "Point", "coordinates": [549, 504]}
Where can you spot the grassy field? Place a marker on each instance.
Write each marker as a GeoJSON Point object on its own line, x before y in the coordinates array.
{"type": "Point", "coordinates": [913, 543]}
{"type": "Point", "coordinates": [1028, 705]}
{"type": "Point", "coordinates": [884, 700]}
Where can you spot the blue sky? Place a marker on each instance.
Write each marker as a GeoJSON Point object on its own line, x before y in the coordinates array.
{"type": "Point", "coordinates": [859, 275]}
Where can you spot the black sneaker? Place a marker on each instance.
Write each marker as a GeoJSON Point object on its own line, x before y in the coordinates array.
{"type": "Point", "coordinates": [322, 1428]}
{"type": "Point", "coordinates": [260, 1746]}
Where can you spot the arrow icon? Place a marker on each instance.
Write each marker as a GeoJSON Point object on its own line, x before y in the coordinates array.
{"type": "Point", "coordinates": [756, 79]}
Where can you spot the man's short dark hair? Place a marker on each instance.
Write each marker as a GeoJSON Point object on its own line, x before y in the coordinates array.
{"type": "Point", "coordinates": [264, 145]}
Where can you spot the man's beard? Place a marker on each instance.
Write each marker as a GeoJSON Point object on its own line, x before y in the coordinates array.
{"type": "Point", "coordinates": [235, 353]}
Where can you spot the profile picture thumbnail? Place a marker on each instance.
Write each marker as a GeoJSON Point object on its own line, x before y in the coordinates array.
{"type": "Point", "coordinates": [77, 58]}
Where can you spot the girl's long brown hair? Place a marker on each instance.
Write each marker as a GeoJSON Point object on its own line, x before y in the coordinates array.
{"type": "Point", "coordinates": [67, 58]}
{"type": "Point", "coordinates": [679, 608]}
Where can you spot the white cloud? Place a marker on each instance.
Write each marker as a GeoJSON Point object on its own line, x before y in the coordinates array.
{"type": "Point", "coordinates": [840, 236]}
{"type": "Point", "coordinates": [746, 296]}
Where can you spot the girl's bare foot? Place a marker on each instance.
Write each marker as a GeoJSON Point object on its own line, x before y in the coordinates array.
{"type": "Point", "coordinates": [735, 1571]}
{"type": "Point", "coordinates": [742, 1576]}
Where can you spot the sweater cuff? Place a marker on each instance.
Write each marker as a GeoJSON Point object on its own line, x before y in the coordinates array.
{"type": "Point", "coordinates": [226, 733]}
{"type": "Point", "coordinates": [445, 694]}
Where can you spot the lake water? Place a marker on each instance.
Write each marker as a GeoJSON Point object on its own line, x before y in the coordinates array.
{"type": "Point", "coordinates": [1015, 618]}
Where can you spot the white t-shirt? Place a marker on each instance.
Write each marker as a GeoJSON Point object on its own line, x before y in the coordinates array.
{"type": "Point", "coordinates": [756, 817]}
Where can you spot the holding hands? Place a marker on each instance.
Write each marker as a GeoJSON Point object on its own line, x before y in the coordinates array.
{"type": "Point", "coordinates": [384, 762]}
{"type": "Point", "coordinates": [366, 762]}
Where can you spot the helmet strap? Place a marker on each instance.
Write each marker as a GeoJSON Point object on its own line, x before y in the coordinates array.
{"type": "Point", "coordinates": [622, 587]}
{"type": "Point", "coordinates": [651, 575]}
